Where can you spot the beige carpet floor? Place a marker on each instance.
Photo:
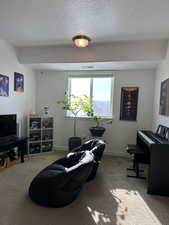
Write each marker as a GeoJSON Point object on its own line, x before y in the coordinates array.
{"type": "Point", "coordinates": [111, 198]}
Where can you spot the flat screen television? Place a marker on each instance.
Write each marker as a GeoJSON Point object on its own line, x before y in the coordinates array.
{"type": "Point", "coordinates": [8, 125]}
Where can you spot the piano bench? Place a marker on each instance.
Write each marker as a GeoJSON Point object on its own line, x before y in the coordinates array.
{"type": "Point", "coordinates": [138, 153]}
{"type": "Point", "coordinates": [134, 149]}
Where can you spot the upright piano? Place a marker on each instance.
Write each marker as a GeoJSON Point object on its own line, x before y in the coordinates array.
{"type": "Point", "coordinates": [156, 147]}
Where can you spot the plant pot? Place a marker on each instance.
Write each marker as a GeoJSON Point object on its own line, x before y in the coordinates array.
{"type": "Point", "coordinates": [74, 142]}
{"type": "Point", "coordinates": [97, 131]}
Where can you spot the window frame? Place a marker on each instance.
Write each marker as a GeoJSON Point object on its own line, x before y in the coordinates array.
{"type": "Point", "coordinates": [91, 91]}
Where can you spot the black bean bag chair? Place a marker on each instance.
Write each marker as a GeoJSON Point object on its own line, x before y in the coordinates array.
{"type": "Point", "coordinates": [97, 147]}
{"type": "Point", "coordinates": [60, 183]}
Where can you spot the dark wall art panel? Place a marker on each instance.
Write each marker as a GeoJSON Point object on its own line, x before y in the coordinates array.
{"type": "Point", "coordinates": [164, 98]}
{"type": "Point", "coordinates": [129, 101]}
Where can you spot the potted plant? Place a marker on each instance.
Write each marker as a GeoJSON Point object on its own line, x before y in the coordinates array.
{"type": "Point", "coordinates": [75, 104]}
{"type": "Point", "coordinates": [98, 130]}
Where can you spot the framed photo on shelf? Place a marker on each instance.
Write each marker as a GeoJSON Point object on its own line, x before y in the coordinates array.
{"type": "Point", "coordinates": [4, 85]}
{"type": "Point", "coordinates": [35, 123]}
{"type": "Point", "coordinates": [129, 102]}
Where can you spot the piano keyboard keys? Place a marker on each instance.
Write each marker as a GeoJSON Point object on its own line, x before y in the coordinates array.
{"type": "Point", "coordinates": [146, 138]}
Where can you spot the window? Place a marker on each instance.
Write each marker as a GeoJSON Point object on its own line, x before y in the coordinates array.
{"type": "Point", "coordinates": [98, 88]}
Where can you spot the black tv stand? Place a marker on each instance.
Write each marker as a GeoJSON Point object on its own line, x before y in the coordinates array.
{"type": "Point", "coordinates": [8, 144]}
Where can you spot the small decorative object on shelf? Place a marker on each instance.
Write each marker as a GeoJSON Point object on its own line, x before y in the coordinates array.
{"type": "Point", "coordinates": [47, 122]}
{"type": "Point", "coordinates": [45, 111]}
{"type": "Point", "coordinates": [40, 133]}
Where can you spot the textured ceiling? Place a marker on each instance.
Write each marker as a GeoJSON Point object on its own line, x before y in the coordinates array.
{"type": "Point", "coordinates": [46, 22]}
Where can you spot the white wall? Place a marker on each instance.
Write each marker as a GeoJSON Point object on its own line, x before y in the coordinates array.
{"type": "Point", "coordinates": [117, 51]}
{"type": "Point", "coordinates": [162, 73]}
{"type": "Point", "coordinates": [17, 103]}
{"type": "Point", "coordinates": [51, 87]}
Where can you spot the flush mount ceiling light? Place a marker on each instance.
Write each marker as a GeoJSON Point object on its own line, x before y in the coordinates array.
{"type": "Point", "coordinates": [81, 41]}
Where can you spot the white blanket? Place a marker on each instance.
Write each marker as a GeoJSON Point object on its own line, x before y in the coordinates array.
{"type": "Point", "coordinates": [89, 157]}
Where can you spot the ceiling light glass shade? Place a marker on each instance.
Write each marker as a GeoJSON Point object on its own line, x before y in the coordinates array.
{"type": "Point", "coordinates": [81, 41]}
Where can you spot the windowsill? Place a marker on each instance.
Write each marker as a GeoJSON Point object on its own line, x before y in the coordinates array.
{"type": "Point", "coordinates": [88, 118]}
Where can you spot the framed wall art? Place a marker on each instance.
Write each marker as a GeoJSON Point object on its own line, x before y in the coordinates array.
{"type": "Point", "coordinates": [129, 101]}
{"type": "Point", "coordinates": [18, 82]}
{"type": "Point", "coordinates": [164, 98]}
{"type": "Point", "coordinates": [4, 85]}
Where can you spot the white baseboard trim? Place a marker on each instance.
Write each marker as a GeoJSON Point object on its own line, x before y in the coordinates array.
{"type": "Point", "coordinates": [116, 154]}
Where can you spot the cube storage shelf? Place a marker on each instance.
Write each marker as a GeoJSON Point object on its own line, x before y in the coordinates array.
{"type": "Point", "coordinates": [40, 133]}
